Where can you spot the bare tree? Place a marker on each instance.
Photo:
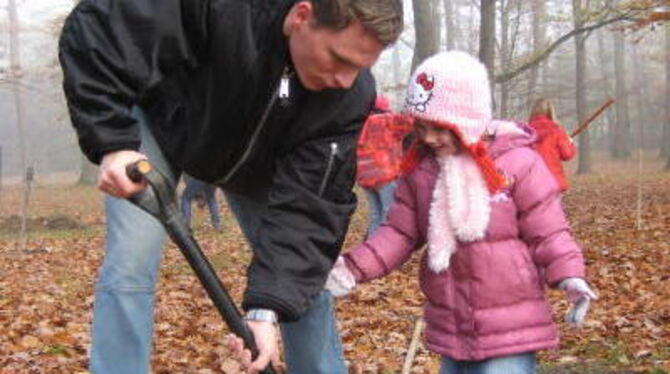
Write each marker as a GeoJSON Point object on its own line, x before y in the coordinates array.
{"type": "Point", "coordinates": [666, 132]}
{"type": "Point", "coordinates": [487, 34]}
{"type": "Point", "coordinates": [450, 24]}
{"type": "Point", "coordinates": [426, 36]}
{"type": "Point", "coordinates": [538, 8]}
{"type": "Point", "coordinates": [14, 77]}
{"type": "Point", "coordinates": [620, 147]}
{"type": "Point", "coordinates": [584, 165]}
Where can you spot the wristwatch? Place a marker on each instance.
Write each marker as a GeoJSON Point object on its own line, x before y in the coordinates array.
{"type": "Point", "coordinates": [266, 315]}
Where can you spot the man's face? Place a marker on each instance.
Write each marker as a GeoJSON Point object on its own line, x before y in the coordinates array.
{"type": "Point", "coordinates": [324, 58]}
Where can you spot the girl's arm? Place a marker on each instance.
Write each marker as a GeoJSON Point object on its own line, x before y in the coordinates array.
{"type": "Point", "coordinates": [542, 222]}
{"type": "Point", "coordinates": [566, 150]}
{"type": "Point", "coordinates": [393, 242]}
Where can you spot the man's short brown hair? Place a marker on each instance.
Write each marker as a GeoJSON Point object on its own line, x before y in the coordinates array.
{"type": "Point", "coordinates": [382, 18]}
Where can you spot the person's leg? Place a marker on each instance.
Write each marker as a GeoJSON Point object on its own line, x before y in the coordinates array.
{"type": "Point", "coordinates": [210, 196]}
{"type": "Point", "coordinates": [374, 210]}
{"type": "Point", "coordinates": [524, 363]}
{"type": "Point", "coordinates": [386, 199]}
{"type": "Point", "coordinates": [449, 366]}
{"type": "Point", "coordinates": [312, 344]}
{"type": "Point", "coordinates": [124, 296]}
{"type": "Point", "coordinates": [186, 198]}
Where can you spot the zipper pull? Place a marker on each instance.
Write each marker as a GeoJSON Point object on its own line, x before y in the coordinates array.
{"type": "Point", "coordinates": [284, 87]}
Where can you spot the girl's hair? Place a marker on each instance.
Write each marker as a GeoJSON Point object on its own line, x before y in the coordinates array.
{"type": "Point", "coordinates": [543, 106]}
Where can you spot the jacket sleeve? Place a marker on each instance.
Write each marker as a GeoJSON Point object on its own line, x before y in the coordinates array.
{"type": "Point", "coordinates": [393, 242]}
{"type": "Point", "coordinates": [112, 51]}
{"type": "Point", "coordinates": [310, 205]}
{"type": "Point", "coordinates": [566, 149]}
{"type": "Point", "coordinates": [542, 222]}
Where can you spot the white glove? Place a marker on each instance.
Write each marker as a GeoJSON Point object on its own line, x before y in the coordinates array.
{"type": "Point", "coordinates": [340, 280]}
{"type": "Point", "coordinates": [580, 295]}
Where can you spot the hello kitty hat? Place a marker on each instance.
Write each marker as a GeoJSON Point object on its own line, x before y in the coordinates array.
{"type": "Point", "coordinates": [451, 89]}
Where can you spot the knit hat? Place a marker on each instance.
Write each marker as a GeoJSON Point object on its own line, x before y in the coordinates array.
{"type": "Point", "coordinates": [451, 90]}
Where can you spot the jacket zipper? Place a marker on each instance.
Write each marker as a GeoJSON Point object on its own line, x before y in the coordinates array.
{"type": "Point", "coordinates": [281, 90]}
{"type": "Point", "coordinates": [329, 167]}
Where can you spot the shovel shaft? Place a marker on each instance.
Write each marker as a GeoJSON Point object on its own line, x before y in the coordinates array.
{"type": "Point", "coordinates": [162, 206]}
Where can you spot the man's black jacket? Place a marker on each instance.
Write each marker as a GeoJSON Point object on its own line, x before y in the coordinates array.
{"type": "Point", "coordinates": [207, 73]}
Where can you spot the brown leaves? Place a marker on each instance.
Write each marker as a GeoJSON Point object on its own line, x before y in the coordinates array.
{"type": "Point", "coordinates": [46, 296]}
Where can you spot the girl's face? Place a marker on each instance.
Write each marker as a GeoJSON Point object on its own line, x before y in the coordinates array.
{"type": "Point", "coordinates": [442, 141]}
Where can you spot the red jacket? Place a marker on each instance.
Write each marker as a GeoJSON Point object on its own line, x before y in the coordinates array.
{"type": "Point", "coordinates": [379, 148]}
{"type": "Point", "coordinates": [554, 145]}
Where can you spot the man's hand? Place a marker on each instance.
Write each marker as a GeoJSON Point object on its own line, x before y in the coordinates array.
{"type": "Point", "coordinates": [580, 295]}
{"type": "Point", "coordinates": [112, 178]}
{"type": "Point", "coordinates": [267, 341]}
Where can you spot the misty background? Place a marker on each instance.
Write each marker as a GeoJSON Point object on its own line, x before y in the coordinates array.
{"type": "Point", "coordinates": [579, 54]}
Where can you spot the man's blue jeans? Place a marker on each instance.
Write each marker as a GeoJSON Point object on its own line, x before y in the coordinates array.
{"type": "Point", "coordinates": [515, 364]}
{"type": "Point", "coordinates": [311, 344]}
{"type": "Point", "coordinates": [379, 202]}
{"type": "Point", "coordinates": [124, 296]}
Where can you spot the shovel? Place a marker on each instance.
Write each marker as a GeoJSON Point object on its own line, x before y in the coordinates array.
{"type": "Point", "coordinates": [159, 200]}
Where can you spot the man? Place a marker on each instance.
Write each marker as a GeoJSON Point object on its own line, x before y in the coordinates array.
{"type": "Point", "coordinates": [261, 97]}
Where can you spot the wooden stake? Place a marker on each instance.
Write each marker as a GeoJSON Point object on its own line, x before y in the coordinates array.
{"type": "Point", "coordinates": [582, 126]}
{"type": "Point", "coordinates": [413, 346]}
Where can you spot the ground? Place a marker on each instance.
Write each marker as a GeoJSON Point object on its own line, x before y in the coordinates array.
{"type": "Point", "coordinates": [619, 215]}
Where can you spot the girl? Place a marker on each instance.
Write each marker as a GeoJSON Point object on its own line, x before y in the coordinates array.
{"type": "Point", "coordinates": [379, 156]}
{"type": "Point", "coordinates": [553, 144]}
{"type": "Point", "coordinates": [491, 216]}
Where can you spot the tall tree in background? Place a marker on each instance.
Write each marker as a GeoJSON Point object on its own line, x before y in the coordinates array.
{"type": "Point", "coordinates": [487, 37]}
{"type": "Point", "coordinates": [509, 28]}
{"type": "Point", "coordinates": [487, 34]}
{"type": "Point", "coordinates": [666, 132]}
{"type": "Point", "coordinates": [604, 59]}
{"type": "Point", "coordinates": [450, 25]}
{"type": "Point", "coordinates": [538, 19]}
{"type": "Point", "coordinates": [427, 39]}
{"type": "Point", "coordinates": [584, 164]}
{"type": "Point", "coordinates": [620, 147]}
{"type": "Point", "coordinates": [15, 77]}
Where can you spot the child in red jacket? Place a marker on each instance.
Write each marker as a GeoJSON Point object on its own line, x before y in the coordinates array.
{"type": "Point", "coordinates": [553, 144]}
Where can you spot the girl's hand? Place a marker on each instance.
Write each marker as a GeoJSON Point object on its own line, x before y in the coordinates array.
{"type": "Point", "coordinates": [580, 295]}
{"type": "Point", "coordinates": [340, 280]}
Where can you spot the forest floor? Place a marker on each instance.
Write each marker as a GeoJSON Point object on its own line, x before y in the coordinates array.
{"type": "Point", "coordinates": [46, 288]}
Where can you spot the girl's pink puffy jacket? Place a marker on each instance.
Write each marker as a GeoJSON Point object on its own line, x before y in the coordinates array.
{"type": "Point", "coordinates": [490, 301]}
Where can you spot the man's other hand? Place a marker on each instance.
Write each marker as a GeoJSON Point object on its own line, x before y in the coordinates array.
{"type": "Point", "coordinates": [267, 341]}
{"type": "Point", "coordinates": [112, 178]}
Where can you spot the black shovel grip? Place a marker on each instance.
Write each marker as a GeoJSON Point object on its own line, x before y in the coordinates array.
{"type": "Point", "coordinates": [170, 217]}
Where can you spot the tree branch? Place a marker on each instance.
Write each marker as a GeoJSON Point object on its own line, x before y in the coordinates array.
{"type": "Point", "coordinates": [504, 77]}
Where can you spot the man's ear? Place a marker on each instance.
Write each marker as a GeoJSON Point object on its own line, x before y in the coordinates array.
{"type": "Point", "coordinates": [300, 15]}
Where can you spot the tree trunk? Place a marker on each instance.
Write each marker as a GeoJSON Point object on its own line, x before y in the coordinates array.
{"type": "Point", "coordinates": [620, 145]}
{"type": "Point", "coordinates": [666, 132]}
{"type": "Point", "coordinates": [603, 61]}
{"type": "Point", "coordinates": [487, 34]}
{"type": "Point", "coordinates": [426, 38]}
{"type": "Point", "coordinates": [487, 39]}
{"type": "Point", "coordinates": [584, 165]}
{"type": "Point", "coordinates": [504, 55]}
{"type": "Point", "coordinates": [539, 31]}
{"type": "Point", "coordinates": [14, 77]}
{"type": "Point", "coordinates": [450, 25]}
